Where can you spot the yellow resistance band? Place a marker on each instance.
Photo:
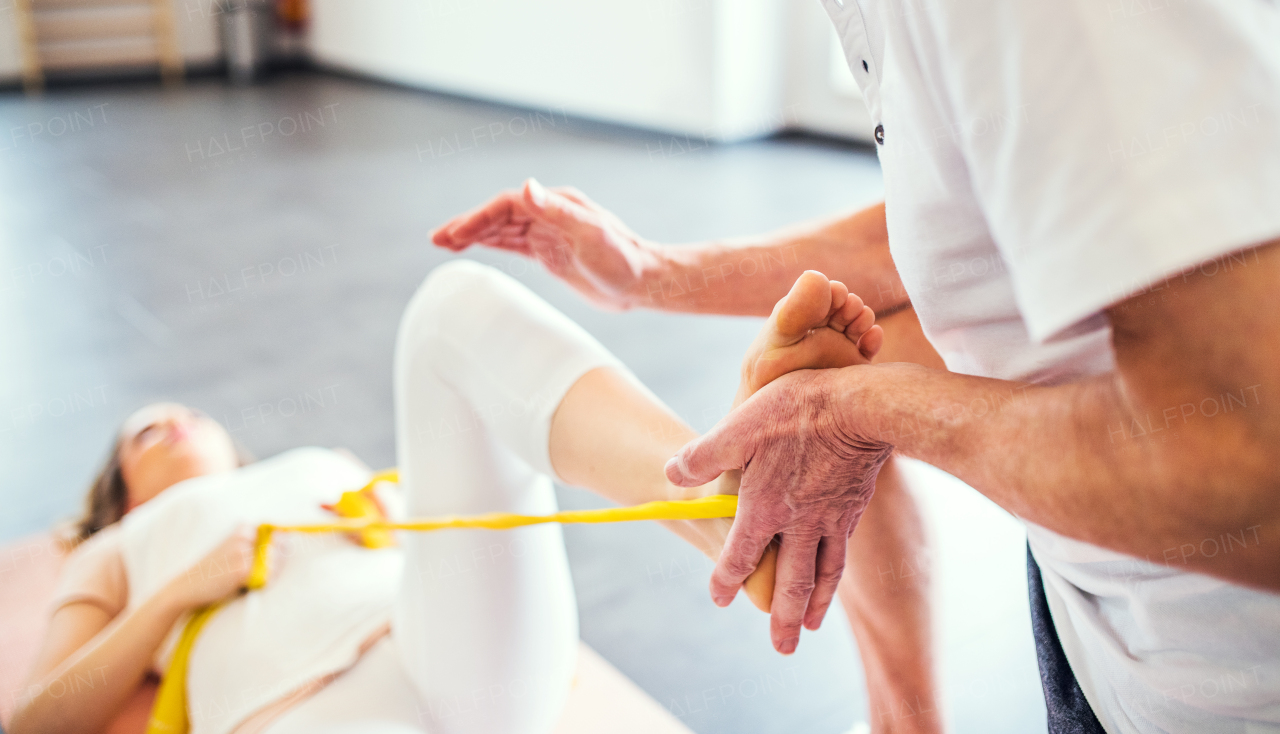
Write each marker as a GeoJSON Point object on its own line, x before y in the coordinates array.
{"type": "Point", "coordinates": [364, 518]}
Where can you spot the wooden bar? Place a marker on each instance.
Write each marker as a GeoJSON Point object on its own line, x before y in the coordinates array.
{"type": "Point", "coordinates": [98, 54]}
{"type": "Point", "coordinates": [62, 26]}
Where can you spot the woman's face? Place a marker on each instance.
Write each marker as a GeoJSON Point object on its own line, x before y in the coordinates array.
{"type": "Point", "coordinates": [165, 443]}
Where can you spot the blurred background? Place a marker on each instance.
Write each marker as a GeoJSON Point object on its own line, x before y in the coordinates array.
{"type": "Point", "coordinates": [227, 203]}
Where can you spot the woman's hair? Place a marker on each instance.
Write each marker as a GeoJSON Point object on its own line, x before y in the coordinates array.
{"type": "Point", "coordinates": [108, 496]}
{"type": "Point", "coordinates": [107, 499]}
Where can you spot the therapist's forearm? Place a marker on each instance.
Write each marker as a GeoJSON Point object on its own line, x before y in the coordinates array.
{"type": "Point", "coordinates": [747, 276]}
{"type": "Point", "coordinates": [1087, 461]}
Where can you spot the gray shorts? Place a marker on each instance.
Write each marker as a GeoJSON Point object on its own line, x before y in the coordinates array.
{"type": "Point", "coordinates": [1068, 711]}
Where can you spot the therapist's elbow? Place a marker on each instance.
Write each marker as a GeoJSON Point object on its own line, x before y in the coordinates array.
{"type": "Point", "coordinates": [1222, 500]}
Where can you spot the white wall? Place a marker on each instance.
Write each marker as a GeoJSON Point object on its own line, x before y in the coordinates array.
{"type": "Point", "coordinates": [711, 68]}
{"type": "Point", "coordinates": [821, 94]}
{"type": "Point", "coordinates": [719, 69]}
{"type": "Point", "coordinates": [750, 68]}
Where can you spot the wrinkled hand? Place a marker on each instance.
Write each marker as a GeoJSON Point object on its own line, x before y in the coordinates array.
{"type": "Point", "coordinates": [576, 239]}
{"type": "Point", "coordinates": [806, 476]}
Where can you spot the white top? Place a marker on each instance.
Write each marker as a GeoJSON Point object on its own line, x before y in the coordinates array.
{"type": "Point", "coordinates": [1042, 161]}
{"type": "Point", "coordinates": [326, 599]}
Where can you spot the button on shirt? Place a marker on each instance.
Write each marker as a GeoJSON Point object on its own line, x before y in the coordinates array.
{"type": "Point", "coordinates": [1043, 161]}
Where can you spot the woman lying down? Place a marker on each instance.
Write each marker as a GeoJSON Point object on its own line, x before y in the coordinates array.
{"type": "Point", "coordinates": [496, 392]}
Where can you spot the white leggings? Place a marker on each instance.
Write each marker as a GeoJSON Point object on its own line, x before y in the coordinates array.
{"type": "Point", "coordinates": [485, 633]}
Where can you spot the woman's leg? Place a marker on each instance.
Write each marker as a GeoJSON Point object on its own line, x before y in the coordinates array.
{"type": "Point", "coordinates": [486, 625]}
{"type": "Point", "coordinates": [373, 697]}
{"type": "Point", "coordinates": [496, 391]}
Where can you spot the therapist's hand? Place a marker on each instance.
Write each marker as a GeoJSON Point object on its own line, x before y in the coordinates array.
{"type": "Point", "coordinates": [806, 475]}
{"type": "Point", "coordinates": [573, 237]}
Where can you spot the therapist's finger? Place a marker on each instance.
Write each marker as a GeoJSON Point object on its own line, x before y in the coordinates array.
{"type": "Point", "coordinates": [826, 578]}
{"type": "Point", "coordinates": [565, 215]}
{"type": "Point", "coordinates": [573, 194]}
{"type": "Point", "coordinates": [510, 237]}
{"type": "Point", "coordinates": [473, 226]}
{"type": "Point", "coordinates": [795, 584]}
{"type": "Point", "coordinates": [709, 456]}
{"type": "Point", "coordinates": [743, 548]}
{"type": "Point", "coordinates": [476, 224]}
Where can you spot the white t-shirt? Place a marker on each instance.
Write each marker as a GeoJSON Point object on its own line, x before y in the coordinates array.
{"type": "Point", "coordinates": [1042, 161]}
{"type": "Point", "coordinates": [326, 600]}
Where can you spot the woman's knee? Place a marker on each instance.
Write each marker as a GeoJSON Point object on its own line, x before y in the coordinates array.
{"type": "Point", "coordinates": [461, 275]}
{"type": "Point", "coordinates": [450, 296]}
{"type": "Point", "coordinates": [453, 281]}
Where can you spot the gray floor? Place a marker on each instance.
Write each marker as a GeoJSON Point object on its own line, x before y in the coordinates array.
{"type": "Point", "coordinates": [248, 251]}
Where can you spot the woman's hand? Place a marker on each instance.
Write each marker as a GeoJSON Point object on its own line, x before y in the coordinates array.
{"type": "Point", "coordinates": [576, 239]}
{"type": "Point", "coordinates": [219, 574]}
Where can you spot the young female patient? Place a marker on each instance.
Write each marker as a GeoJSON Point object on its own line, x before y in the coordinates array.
{"type": "Point", "coordinates": [453, 631]}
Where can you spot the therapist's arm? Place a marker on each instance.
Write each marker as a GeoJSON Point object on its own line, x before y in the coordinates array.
{"type": "Point", "coordinates": [1170, 457]}
{"type": "Point", "coordinates": [595, 253]}
{"type": "Point", "coordinates": [1165, 457]}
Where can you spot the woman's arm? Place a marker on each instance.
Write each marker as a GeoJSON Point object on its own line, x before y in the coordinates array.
{"type": "Point", "coordinates": [91, 663]}
{"type": "Point", "coordinates": [83, 690]}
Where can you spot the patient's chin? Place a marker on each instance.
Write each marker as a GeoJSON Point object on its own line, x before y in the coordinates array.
{"type": "Point", "coordinates": [147, 485]}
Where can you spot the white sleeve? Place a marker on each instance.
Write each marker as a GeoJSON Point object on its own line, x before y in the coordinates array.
{"type": "Point", "coordinates": [1114, 143]}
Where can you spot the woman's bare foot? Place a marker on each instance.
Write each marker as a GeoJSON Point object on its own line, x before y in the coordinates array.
{"type": "Point", "coordinates": [818, 324]}
{"type": "Point", "coordinates": [620, 452]}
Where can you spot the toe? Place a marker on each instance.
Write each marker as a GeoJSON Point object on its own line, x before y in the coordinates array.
{"type": "Point", "coordinates": [806, 307]}
{"type": "Point", "coordinates": [839, 297]}
{"type": "Point", "coordinates": [847, 313]}
{"type": "Point", "coordinates": [871, 342]}
{"type": "Point", "coordinates": [865, 319]}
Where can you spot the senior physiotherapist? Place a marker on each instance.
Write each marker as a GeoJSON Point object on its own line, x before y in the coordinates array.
{"type": "Point", "coordinates": [1083, 205]}
{"type": "Point", "coordinates": [1083, 202]}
